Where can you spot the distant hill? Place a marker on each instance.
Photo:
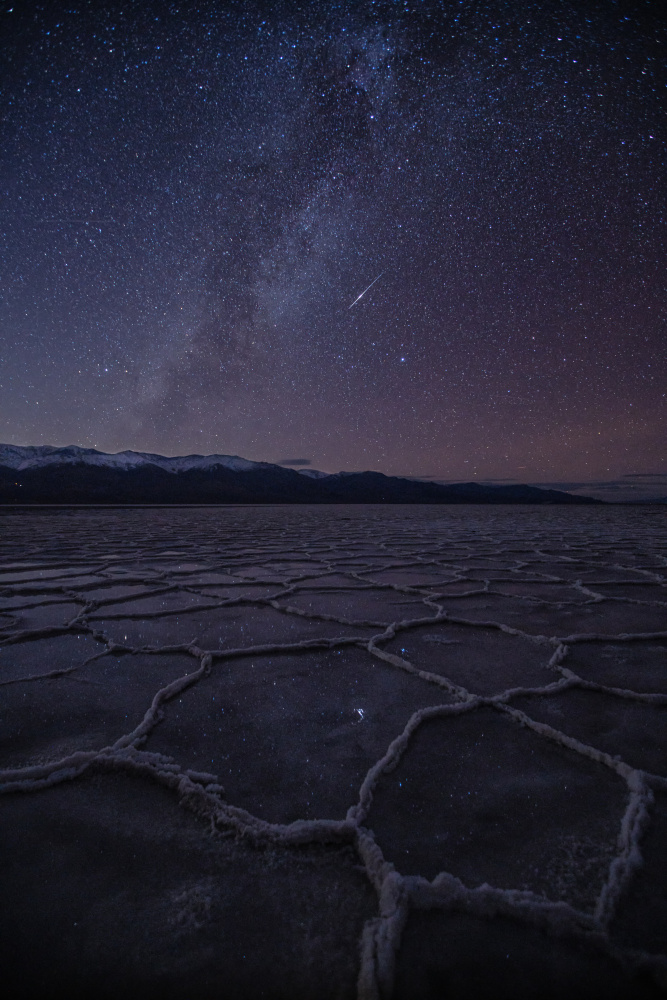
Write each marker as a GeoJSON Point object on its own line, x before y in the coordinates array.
{"type": "Point", "coordinates": [73, 475]}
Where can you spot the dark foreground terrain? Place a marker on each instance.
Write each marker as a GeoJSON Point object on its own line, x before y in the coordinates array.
{"type": "Point", "coordinates": [332, 752]}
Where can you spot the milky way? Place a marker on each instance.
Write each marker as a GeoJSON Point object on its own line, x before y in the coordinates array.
{"type": "Point", "coordinates": [193, 195]}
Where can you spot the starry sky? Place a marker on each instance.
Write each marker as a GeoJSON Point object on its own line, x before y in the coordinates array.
{"type": "Point", "coordinates": [193, 196]}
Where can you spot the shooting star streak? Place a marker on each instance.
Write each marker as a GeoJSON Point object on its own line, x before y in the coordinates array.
{"type": "Point", "coordinates": [366, 289]}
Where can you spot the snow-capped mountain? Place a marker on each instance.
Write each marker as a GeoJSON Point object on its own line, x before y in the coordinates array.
{"type": "Point", "coordinates": [19, 458]}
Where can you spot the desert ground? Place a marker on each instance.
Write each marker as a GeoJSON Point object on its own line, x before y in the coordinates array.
{"type": "Point", "coordinates": [333, 752]}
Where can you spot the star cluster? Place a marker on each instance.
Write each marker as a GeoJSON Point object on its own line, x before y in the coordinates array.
{"type": "Point", "coordinates": [193, 196]}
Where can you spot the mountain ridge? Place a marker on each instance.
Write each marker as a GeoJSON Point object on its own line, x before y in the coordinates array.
{"type": "Point", "coordinates": [34, 456]}
{"type": "Point", "coordinates": [73, 475]}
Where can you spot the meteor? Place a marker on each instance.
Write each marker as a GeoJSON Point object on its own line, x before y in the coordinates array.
{"type": "Point", "coordinates": [366, 289]}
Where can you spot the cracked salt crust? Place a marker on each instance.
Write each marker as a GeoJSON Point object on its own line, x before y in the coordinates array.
{"type": "Point", "coordinates": [453, 616]}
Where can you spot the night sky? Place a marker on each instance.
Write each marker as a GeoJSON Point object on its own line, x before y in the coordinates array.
{"type": "Point", "coordinates": [194, 194]}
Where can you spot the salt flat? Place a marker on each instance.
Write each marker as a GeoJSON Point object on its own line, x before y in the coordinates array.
{"type": "Point", "coordinates": [334, 752]}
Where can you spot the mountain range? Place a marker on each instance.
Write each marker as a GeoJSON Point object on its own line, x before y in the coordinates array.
{"type": "Point", "coordinates": [74, 475]}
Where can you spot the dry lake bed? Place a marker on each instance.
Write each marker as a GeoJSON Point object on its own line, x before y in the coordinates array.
{"type": "Point", "coordinates": [333, 752]}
